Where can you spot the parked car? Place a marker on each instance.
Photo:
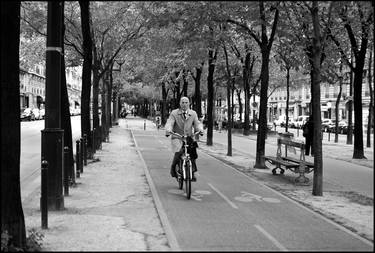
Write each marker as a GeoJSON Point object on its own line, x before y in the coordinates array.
{"type": "Point", "coordinates": [280, 121]}
{"type": "Point", "coordinates": [42, 113]}
{"type": "Point", "coordinates": [301, 120]}
{"type": "Point", "coordinates": [341, 126]}
{"type": "Point", "coordinates": [270, 126]}
{"type": "Point", "coordinates": [326, 124]}
{"type": "Point", "coordinates": [36, 113]}
{"type": "Point", "coordinates": [78, 111]}
{"type": "Point", "coordinates": [27, 114]}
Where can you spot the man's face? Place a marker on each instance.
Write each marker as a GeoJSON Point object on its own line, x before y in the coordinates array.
{"type": "Point", "coordinates": [184, 103]}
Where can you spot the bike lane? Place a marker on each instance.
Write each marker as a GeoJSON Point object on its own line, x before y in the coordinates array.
{"type": "Point", "coordinates": [230, 211]}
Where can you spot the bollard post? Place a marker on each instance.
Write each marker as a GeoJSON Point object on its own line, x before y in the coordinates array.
{"type": "Point", "coordinates": [66, 171]}
{"type": "Point", "coordinates": [297, 131]}
{"type": "Point", "coordinates": [44, 195]}
{"type": "Point", "coordinates": [93, 141]}
{"type": "Point", "coordinates": [78, 170]}
{"type": "Point", "coordinates": [81, 155]}
{"type": "Point", "coordinates": [144, 125]}
{"type": "Point", "coordinates": [72, 175]}
{"type": "Point", "coordinates": [329, 136]}
{"type": "Point", "coordinates": [85, 149]}
{"type": "Point", "coordinates": [100, 137]}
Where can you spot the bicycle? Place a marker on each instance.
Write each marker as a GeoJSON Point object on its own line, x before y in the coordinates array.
{"type": "Point", "coordinates": [184, 171]}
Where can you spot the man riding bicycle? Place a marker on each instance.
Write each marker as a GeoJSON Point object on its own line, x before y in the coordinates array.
{"type": "Point", "coordinates": [182, 121]}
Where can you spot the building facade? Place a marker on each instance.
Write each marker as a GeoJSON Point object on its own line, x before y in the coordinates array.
{"type": "Point", "coordinates": [300, 98]}
{"type": "Point", "coordinates": [33, 83]}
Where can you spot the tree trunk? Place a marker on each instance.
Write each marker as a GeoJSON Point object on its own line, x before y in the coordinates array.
{"type": "Point", "coordinates": [239, 103]}
{"type": "Point", "coordinates": [103, 96]}
{"type": "Point", "coordinates": [358, 152]}
{"type": "Point", "coordinates": [95, 91]}
{"type": "Point", "coordinates": [246, 82]}
{"type": "Point", "coordinates": [65, 112]}
{"type": "Point", "coordinates": [12, 217]}
{"type": "Point", "coordinates": [349, 136]}
{"type": "Point", "coordinates": [229, 122]}
{"type": "Point", "coordinates": [287, 99]}
{"type": "Point", "coordinates": [316, 113]}
{"type": "Point", "coordinates": [337, 106]}
{"type": "Point", "coordinates": [86, 73]}
{"type": "Point", "coordinates": [109, 97]}
{"type": "Point", "coordinates": [164, 112]}
{"type": "Point", "coordinates": [197, 96]}
{"type": "Point", "coordinates": [212, 55]}
{"type": "Point", "coordinates": [185, 85]}
{"type": "Point", "coordinates": [371, 105]}
{"type": "Point", "coordinates": [230, 107]}
{"type": "Point", "coordinates": [262, 123]}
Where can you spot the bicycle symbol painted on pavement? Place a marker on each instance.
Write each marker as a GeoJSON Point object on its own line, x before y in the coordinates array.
{"type": "Point", "coordinates": [197, 194]}
{"type": "Point", "coordinates": [249, 197]}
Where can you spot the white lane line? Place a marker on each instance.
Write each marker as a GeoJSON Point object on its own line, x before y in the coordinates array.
{"type": "Point", "coordinates": [223, 196]}
{"type": "Point", "coordinates": [271, 238]}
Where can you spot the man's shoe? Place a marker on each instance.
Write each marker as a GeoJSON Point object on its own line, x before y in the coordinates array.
{"type": "Point", "coordinates": [194, 179]}
{"type": "Point", "coordinates": [173, 173]}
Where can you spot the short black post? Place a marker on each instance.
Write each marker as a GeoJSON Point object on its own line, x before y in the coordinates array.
{"type": "Point", "coordinates": [144, 125]}
{"type": "Point", "coordinates": [329, 136]}
{"type": "Point", "coordinates": [66, 171]}
{"type": "Point", "coordinates": [78, 170]}
{"type": "Point", "coordinates": [81, 155]}
{"type": "Point", "coordinates": [297, 131]}
{"type": "Point", "coordinates": [85, 149]}
{"type": "Point", "coordinates": [100, 137]}
{"type": "Point", "coordinates": [93, 145]}
{"type": "Point", "coordinates": [44, 195]}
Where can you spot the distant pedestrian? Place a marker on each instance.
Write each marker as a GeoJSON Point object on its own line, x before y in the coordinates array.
{"type": "Point", "coordinates": [158, 121]}
{"type": "Point", "coordinates": [308, 131]}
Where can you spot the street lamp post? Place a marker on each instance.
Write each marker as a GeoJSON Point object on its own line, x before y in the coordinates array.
{"type": "Point", "coordinates": [53, 135]}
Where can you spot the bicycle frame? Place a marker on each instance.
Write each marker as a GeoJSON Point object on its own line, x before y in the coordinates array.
{"type": "Point", "coordinates": [185, 157]}
{"type": "Point", "coordinates": [187, 175]}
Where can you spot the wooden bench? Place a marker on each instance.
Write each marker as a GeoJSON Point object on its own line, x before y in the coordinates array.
{"type": "Point", "coordinates": [296, 165]}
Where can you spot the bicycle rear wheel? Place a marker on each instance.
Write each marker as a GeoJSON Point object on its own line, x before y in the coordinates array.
{"type": "Point", "coordinates": [188, 179]}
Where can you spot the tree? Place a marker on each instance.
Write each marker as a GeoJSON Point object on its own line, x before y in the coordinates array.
{"type": "Point", "coordinates": [357, 18]}
{"type": "Point", "coordinates": [86, 72]}
{"type": "Point", "coordinates": [287, 55]}
{"type": "Point", "coordinates": [265, 44]}
{"type": "Point", "coordinates": [12, 217]}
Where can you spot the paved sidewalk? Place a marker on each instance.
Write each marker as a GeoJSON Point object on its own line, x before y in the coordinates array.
{"type": "Point", "coordinates": [110, 209]}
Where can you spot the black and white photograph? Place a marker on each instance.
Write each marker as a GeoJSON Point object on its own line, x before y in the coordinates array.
{"type": "Point", "coordinates": [187, 126]}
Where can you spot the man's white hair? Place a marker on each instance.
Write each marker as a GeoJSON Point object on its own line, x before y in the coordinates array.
{"type": "Point", "coordinates": [183, 98]}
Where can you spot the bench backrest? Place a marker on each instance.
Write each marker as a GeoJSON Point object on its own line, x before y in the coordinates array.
{"type": "Point", "coordinates": [300, 145]}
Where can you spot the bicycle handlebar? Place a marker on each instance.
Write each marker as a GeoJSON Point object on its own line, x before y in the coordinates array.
{"type": "Point", "coordinates": [178, 135]}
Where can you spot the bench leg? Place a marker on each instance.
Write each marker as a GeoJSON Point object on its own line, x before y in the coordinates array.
{"type": "Point", "coordinates": [301, 178]}
{"type": "Point", "coordinates": [278, 167]}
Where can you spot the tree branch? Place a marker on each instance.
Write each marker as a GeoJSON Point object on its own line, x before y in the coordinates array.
{"type": "Point", "coordinates": [246, 28]}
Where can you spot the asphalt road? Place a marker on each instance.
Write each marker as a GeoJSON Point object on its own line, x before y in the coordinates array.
{"type": "Point", "coordinates": [230, 211]}
{"type": "Point", "coordinates": [30, 160]}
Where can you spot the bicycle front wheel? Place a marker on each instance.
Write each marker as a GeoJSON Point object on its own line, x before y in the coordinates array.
{"type": "Point", "coordinates": [188, 179]}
